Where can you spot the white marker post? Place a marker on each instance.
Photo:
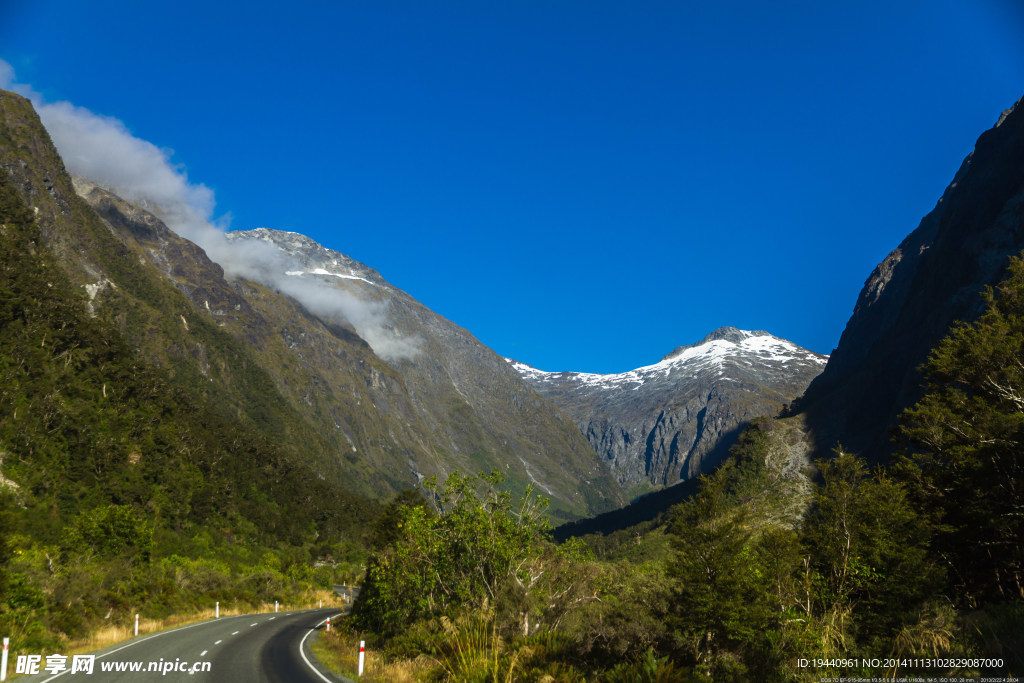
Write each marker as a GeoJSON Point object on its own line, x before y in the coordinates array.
{"type": "Point", "coordinates": [3, 660]}
{"type": "Point", "coordinates": [136, 624]}
{"type": "Point", "coordinates": [362, 655]}
{"type": "Point", "coordinates": [321, 604]}
{"type": "Point", "coordinates": [275, 606]}
{"type": "Point", "coordinates": [328, 624]}
{"type": "Point", "coordinates": [216, 610]}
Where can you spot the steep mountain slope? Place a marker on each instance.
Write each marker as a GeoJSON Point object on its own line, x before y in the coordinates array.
{"type": "Point", "coordinates": [287, 342]}
{"type": "Point", "coordinates": [676, 419]}
{"type": "Point", "coordinates": [85, 424]}
{"type": "Point", "coordinates": [478, 413]}
{"type": "Point", "coordinates": [303, 379]}
{"type": "Point", "coordinates": [913, 297]}
{"type": "Point", "coordinates": [126, 291]}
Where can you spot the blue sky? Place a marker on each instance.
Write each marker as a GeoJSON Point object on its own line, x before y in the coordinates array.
{"type": "Point", "coordinates": [582, 185]}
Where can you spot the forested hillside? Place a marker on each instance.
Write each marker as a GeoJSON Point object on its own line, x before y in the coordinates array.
{"type": "Point", "coordinates": [121, 490]}
{"type": "Point", "coordinates": [153, 317]}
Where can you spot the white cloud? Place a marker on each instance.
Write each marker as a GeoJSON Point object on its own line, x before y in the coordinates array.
{"type": "Point", "coordinates": [6, 75]}
{"type": "Point", "coordinates": [103, 150]}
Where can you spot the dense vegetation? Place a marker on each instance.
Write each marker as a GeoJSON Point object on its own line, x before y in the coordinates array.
{"type": "Point", "coordinates": [762, 568]}
{"type": "Point", "coordinates": [123, 491]}
{"type": "Point", "coordinates": [965, 442]}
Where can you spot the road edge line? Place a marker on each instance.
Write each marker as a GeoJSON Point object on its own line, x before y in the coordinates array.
{"type": "Point", "coordinates": [302, 653]}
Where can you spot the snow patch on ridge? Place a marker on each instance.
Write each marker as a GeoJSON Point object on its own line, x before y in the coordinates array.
{"type": "Point", "coordinates": [321, 271]}
{"type": "Point", "coordinates": [752, 347]}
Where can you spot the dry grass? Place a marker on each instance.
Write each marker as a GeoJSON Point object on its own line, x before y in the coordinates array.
{"type": "Point", "coordinates": [338, 651]}
{"type": "Point", "coordinates": [112, 634]}
{"type": "Point", "coordinates": [399, 671]}
{"type": "Point", "coordinates": [469, 649]}
{"type": "Point", "coordinates": [834, 627]}
{"type": "Point", "coordinates": [932, 635]}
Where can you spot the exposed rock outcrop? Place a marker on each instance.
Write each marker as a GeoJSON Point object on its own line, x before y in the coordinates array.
{"type": "Point", "coordinates": [676, 419]}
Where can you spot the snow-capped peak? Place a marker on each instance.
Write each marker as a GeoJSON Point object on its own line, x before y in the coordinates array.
{"type": "Point", "coordinates": [725, 345]}
{"type": "Point", "coordinates": [305, 257]}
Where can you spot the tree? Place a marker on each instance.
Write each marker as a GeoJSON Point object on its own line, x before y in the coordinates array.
{"type": "Point", "coordinates": [388, 527]}
{"type": "Point", "coordinates": [868, 565]}
{"type": "Point", "coordinates": [551, 582]}
{"type": "Point", "coordinates": [964, 447]}
{"type": "Point", "coordinates": [5, 534]}
{"type": "Point", "coordinates": [112, 531]}
{"type": "Point", "coordinates": [464, 556]}
{"type": "Point", "coordinates": [721, 594]}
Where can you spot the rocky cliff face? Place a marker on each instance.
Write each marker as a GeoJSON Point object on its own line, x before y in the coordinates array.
{"type": "Point", "coordinates": [477, 413]}
{"type": "Point", "coordinates": [914, 296]}
{"type": "Point", "coordinates": [676, 419]}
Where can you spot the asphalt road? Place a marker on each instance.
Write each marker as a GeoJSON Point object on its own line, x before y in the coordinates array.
{"type": "Point", "coordinates": [253, 648]}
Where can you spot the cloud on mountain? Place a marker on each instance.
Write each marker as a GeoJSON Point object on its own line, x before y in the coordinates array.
{"type": "Point", "coordinates": [103, 150]}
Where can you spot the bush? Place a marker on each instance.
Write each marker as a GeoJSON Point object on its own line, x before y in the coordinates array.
{"type": "Point", "coordinates": [462, 557]}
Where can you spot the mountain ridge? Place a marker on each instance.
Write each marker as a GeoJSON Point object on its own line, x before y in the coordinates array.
{"type": "Point", "coordinates": [302, 378]}
{"type": "Point", "coordinates": [452, 373]}
{"type": "Point", "coordinates": [675, 419]}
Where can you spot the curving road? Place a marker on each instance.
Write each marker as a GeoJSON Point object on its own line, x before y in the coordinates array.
{"type": "Point", "coordinates": [253, 648]}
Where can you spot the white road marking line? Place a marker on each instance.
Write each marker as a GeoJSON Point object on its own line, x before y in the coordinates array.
{"type": "Point", "coordinates": [140, 640]}
{"type": "Point", "coordinates": [203, 653]}
{"type": "Point", "coordinates": [218, 642]}
{"type": "Point", "coordinates": [303, 642]}
{"type": "Point", "coordinates": [272, 618]}
{"type": "Point", "coordinates": [236, 633]}
{"type": "Point", "coordinates": [252, 624]}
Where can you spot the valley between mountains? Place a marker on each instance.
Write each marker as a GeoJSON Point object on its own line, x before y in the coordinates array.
{"type": "Point", "coordinates": [402, 393]}
{"type": "Point", "coordinates": [250, 417]}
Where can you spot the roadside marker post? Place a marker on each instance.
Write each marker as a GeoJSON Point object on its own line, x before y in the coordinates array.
{"type": "Point", "coordinates": [275, 606]}
{"type": "Point", "coordinates": [362, 655]}
{"type": "Point", "coordinates": [136, 624]}
{"type": "Point", "coordinates": [216, 610]}
{"type": "Point", "coordinates": [328, 624]}
{"type": "Point", "coordinates": [3, 660]}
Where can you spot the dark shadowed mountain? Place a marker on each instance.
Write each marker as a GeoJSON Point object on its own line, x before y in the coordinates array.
{"type": "Point", "coordinates": [915, 295]}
